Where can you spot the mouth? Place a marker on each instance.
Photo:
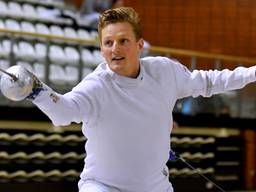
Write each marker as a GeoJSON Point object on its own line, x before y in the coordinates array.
{"type": "Point", "coordinates": [117, 58]}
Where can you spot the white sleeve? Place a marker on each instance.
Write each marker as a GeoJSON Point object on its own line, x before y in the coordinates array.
{"type": "Point", "coordinates": [207, 83]}
{"type": "Point", "coordinates": [79, 105]}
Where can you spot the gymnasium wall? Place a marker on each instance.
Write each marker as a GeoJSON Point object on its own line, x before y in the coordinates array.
{"type": "Point", "coordinates": [216, 26]}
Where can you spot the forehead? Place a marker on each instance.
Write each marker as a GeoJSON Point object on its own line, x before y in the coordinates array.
{"type": "Point", "coordinates": [117, 29]}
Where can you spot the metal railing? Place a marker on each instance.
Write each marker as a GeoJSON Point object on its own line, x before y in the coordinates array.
{"type": "Point", "coordinates": [194, 55]}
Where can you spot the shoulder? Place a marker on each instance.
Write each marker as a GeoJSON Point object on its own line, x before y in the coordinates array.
{"type": "Point", "coordinates": [95, 80]}
{"type": "Point", "coordinates": [99, 74]}
{"type": "Point", "coordinates": [154, 59]}
{"type": "Point", "coordinates": [157, 61]}
{"type": "Point", "coordinates": [157, 64]}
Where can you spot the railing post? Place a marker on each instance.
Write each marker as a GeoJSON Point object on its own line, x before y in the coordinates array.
{"type": "Point", "coordinates": [80, 64]}
{"type": "Point", "coordinates": [47, 62]}
{"type": "Point", "coordinates": [217, 64]}
{"type": "Point", "coordinates": [193, 62]}
{"type": "Point", "coordinates": [11, 54]}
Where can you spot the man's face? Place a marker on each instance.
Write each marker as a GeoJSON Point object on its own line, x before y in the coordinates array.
{"type": "Point", "coordinates": [121, 49]}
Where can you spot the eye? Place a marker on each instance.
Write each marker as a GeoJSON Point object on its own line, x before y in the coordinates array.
{"type": "Point", "coordinates": [108, 43]}
{"type": "Point", "coordinates": [124, 41]}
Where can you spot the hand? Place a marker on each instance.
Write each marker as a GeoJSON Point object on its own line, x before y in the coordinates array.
{"type": "Point", "coordinates": [21, 84]}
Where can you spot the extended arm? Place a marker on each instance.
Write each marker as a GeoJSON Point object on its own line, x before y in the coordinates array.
{"type": "Point", "coordinates": [207, 83]}
{"type": "Point", "coordinates": [81, 104]}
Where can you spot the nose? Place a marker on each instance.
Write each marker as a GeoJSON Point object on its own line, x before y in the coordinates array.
{"type": "Point", "coordinates": [116, 47]}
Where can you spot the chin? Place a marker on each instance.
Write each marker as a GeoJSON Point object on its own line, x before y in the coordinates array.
{"type": "Point", "coordinates": [118, 70]}
{"type": "Point", "coordinates": [116, 66]}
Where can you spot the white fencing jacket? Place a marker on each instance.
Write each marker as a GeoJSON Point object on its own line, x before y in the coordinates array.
{"type": "Point", "coordinates": [127, 122]}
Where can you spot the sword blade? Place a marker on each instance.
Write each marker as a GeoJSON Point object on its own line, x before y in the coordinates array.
{"type": "Point", "coordinates": [11, 75]}
{"type": "Point", "coordinates": [174, 156]}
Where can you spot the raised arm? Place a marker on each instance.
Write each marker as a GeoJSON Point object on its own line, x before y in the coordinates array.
{"type": "Point", "coordinates": [207, 83]}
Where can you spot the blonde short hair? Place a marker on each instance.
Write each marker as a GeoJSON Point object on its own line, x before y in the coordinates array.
{"type": "Point", "coordinates": [121, 14]}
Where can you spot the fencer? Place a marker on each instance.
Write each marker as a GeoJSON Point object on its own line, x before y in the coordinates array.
{"type": "Point", "coordinates": [125, 106]}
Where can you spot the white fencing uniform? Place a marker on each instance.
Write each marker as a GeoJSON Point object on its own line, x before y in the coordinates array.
{"type": "Point", "coordinates": [94, 186]}
{"type": "Point", "coordinates": [128, 121]}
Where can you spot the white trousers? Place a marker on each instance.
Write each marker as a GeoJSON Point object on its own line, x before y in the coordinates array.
{"type": "Point", "coordinates": [94, 186]}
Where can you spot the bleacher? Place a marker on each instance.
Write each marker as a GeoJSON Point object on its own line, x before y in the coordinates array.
{"type": "Point", "coordinates": [37, 156]}
{"type": "Point", "coordinates": [55, 61]}
{"type": "Point", "coordinates": [37, 153]}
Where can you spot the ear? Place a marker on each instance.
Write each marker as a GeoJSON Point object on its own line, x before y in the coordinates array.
{"type": "Point", "coordinates": [140, 43]}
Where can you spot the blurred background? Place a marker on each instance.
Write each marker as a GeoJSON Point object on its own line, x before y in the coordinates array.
{"type": "Point", "coordinates": [58, 41]}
